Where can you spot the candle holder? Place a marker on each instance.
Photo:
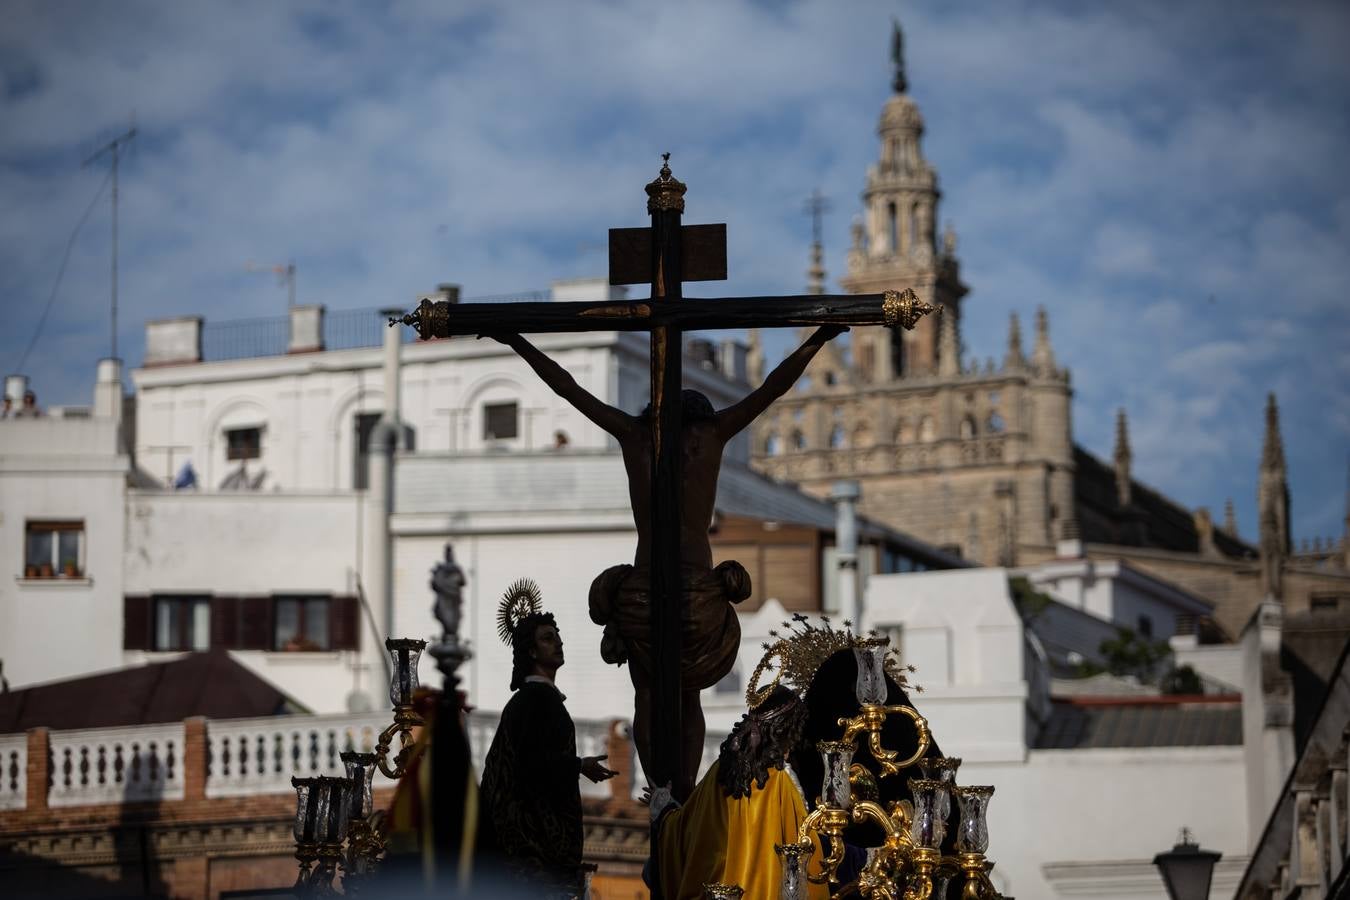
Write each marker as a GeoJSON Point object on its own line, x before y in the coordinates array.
{"type": "Point", "coordinates": [322, 806]}
{"type": "Point", "coordinates": [404, 653]}
{"type": "Point", "coordinates": [793, 859]}
{"type": "Point", "coordinates": [306, 847]}
{"type": "Point", "coordinates": [365, 838]}
{"type": "Point", "coordinates": [972, 841]}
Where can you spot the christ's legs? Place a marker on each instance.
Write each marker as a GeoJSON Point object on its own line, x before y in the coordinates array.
{"type": "Point", "coordinates": [691, 741]}
{"type": "Point", "coordinates": [694, 728]}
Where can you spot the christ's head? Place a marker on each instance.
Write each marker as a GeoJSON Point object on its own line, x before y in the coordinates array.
{"type": "Point", "coordinates": [694, 407]}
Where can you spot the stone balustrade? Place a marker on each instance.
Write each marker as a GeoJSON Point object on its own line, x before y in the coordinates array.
{"type": "Point", "coordinates": [224, 758]}
{"type": "Point", "coordinates": [260, 756]}
{"type": "Point", "coordinates": [13, 770]}
{"type": "Point", "coordinates": [116, 765]}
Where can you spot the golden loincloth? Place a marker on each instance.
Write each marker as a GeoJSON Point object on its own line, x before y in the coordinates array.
{"type": "Point", "coordinates": [710, 634]}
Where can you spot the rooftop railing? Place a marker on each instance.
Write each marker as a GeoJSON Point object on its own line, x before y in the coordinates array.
{"type": "Point", "coordinates": [347, 329]}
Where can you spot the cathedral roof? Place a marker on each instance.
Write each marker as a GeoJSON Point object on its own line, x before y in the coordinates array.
{"type": "Point", "coordinates": [1150, 520]}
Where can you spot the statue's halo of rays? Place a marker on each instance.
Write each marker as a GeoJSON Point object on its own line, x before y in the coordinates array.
{"type": "Point", "coordinates": [523, 598]}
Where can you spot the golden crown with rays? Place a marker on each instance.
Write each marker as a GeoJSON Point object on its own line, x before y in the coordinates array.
{"type": "Point", "coordinates": [797, 653]}
{"type": "Point", "coordinates": [521, 600]}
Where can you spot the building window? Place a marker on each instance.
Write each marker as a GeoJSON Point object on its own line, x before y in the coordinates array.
{"type": "Point", "coordinates": [772, 445]}
{"type": "Point", "coordinates": [798, 441]}
{"type": "Point", "coordinates": [729, 684]}
{"type": "Point", "coordinates": [182, 623]}
{"type": "Point", "coordinates": [300, 623]}
{"type": "Point", "coordinates": [926, 431]}
{"type": "Point", "coordinates": [996, 425]}
{"type": "Point", "coordinates": [53, 549]}
{"type": "Point", "coordinates": [1325, 603]}
{"type": "Point", "coordinates": [500, 421]}
{"type": "Point", "coordinates": [1146, 627]}
{"type": "Point", "coordinates": [836, 438]}
{"type": "Point", "coordinates": [967, 428]}
{"type": "Point", "coordinates": [243, 443]}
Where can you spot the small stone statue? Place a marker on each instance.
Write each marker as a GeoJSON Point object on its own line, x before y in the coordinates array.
{"type": "Point", "coordinates": [447, 581]}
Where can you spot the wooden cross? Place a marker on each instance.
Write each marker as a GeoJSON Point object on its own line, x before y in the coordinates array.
{"type": "Point", "coordinates": [665, 255]}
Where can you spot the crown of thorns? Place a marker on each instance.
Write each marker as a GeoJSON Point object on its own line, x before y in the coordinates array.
{"type": "Point", "coordinates": [521, 600]}
{"type": "Point", "coordinates": [801, 648]}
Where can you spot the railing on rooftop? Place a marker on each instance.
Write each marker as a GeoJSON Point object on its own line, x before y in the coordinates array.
{"type": "Point", "coordinates": [344, 329]}
{"type": "Point", "coordinates": [250, 757]}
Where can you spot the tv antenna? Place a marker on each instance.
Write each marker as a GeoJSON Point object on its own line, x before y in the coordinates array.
{"type": "Point", "coordinates": [113, 147]}
{"type": "Point", "coordinates": [285, 273]}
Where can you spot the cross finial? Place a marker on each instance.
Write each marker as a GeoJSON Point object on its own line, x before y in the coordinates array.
{"type": "Point", "coordinates": [666, 192]}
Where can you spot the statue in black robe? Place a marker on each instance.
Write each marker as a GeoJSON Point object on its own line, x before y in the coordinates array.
{"type": "Point", "coordinates": [530, 822]}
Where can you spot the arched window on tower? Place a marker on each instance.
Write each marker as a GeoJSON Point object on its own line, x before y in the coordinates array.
{"type": "Point", "coordinates": [967, 428]}
{"type": "Point", "coordinates": [912, 228]}
{"type": "Point", "coordinates": [837, 438]}
{"type": "Point", "coordinates": [798, 440]}
{"type": "Point", "coordinates": [893, 227]}
{"type": "Point", "coordinates": [773, 446]}
{"type": "Point", "coordinates": [996, 425]}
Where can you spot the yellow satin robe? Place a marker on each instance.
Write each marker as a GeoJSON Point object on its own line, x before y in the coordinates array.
{"type": "Point", "coordinates": [714, 838]}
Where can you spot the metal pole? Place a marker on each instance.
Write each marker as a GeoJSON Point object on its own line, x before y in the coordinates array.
{"type": "Point", "coordinates": [845, 495]}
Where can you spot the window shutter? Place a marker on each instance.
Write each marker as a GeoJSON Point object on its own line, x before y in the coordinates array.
{"type": "Point", "coordinates": [345, 623]}
{"type": "Point", "coordinates": [255, 623]}
{"type": "Point", "coordinates": [138, 626]}
{"type": "Point", "coordinates": [224, 623]}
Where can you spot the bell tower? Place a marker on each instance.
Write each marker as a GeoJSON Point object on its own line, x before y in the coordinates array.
{"type": "Point", "coordinates": [895, 243]}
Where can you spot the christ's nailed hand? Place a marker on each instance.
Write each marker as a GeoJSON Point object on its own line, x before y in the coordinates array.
{"type": "Point", "coordinates": [593, 769]}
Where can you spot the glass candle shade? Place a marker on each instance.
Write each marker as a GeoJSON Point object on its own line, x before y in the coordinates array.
{"type": "Point", "coordinates": [973, 836]}
{"type": "Point", "coordinates": [925, 829]}
{"type": "Point", "coordinates": [360, 769]}
{"type": "Point", "coordinates": [871, 685]}
{"type": "Point", "coordinates": [836, 792]}
{"type": "Point", "coordinates": [304, 810]}
{"type": "Point", "coordinates": [793, 858]}
{"type": "Point", "coordinates": [404, 653]}
{"type": "Point", "coordinates": [943, 769]}
{"type": "Point", "coordinates": [330, 808]}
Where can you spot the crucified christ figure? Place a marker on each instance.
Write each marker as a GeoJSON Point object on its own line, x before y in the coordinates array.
{"type": "Point", "coordinates": [620, 598]}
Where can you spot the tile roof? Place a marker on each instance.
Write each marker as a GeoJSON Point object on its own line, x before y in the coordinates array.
{"type": "Point", "coordinates": [1079, 724]}
{"type": "Point", "coordinates": [210, 684]}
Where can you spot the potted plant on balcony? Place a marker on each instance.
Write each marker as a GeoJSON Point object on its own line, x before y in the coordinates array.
{"type": "Point", "coordinates": [45, 570]}
{"type": "Point", "coordinates": [69, 568]}
{"type": "Point", "coordinates": [30, 571]}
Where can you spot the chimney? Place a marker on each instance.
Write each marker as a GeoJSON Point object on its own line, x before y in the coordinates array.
{"type": "Point", "coordinates": [731, 355]}
{"type": "Point", "coordinates": [171, 342]}
{"type": "Point", "coordinates": [108, 390]}
{"type": "Point", "coordinates": [307, 329]}
{"type": "Point", "coordinates": [15, 386]}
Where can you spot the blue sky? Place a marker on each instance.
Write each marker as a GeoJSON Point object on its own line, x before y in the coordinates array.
{"type": "Point", "coordinates": [1168, 179]}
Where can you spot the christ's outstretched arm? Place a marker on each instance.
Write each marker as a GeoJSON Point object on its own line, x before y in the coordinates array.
{"type": "Point", "coordinates": [734, 418]}
{"type": "Point", "coordinates": [613, 421]}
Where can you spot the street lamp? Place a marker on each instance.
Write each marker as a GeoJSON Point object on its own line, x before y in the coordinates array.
{"type": "Point", "coordinates": [1186, 869]}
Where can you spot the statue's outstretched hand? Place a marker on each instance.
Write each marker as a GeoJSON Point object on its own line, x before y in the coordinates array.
{"type": "Point", "coordinates": [592, 768]}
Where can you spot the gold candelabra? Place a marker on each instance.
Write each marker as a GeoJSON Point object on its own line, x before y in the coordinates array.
{"type": "Point", "coordinates": [909, 864]}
